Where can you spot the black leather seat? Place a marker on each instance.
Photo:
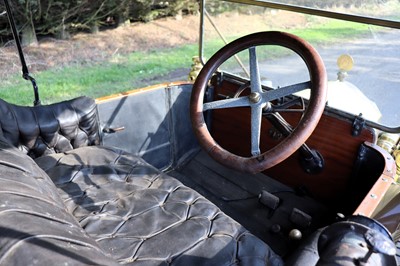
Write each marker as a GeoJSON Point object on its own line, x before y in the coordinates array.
{"type": "Point", "coordinates": [138, 214]}
{"type": "Point", "coordinates": [35, 228]}
{"type": "Point", "coordinates": [49, 129]}
{"type": "Point", "coordinates": [128, 212]}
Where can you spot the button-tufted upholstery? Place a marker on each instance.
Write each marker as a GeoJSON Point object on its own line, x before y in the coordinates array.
{"type": "Point", "coordinates": [114, 207]}
{"type": "Point", "coordinates": [35, 228]}
{"type": "Point", "coordinates": [51, 128]}
{"type": "Point", "coordinates": [140, 215]}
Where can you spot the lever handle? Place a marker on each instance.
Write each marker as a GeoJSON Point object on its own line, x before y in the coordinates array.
{"type": "Point", "coordinates": [110, 130]}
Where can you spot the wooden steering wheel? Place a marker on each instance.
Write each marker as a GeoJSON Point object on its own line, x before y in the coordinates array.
{"type": "Point", "coordinates": [259, 99]}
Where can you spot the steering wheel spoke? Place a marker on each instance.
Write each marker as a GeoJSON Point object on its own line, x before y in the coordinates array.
{"type": "Point", "coordinates": [275, 94]}
{"type": "Point", "coordinates": [255, 80]}
{"type": "Point", "coordinates": [256, 117]}
{"type": "Point", "coordinates": [227, 103]}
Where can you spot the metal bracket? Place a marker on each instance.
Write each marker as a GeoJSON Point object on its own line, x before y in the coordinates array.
{"type": "Point", "coordinates": [358, 125]}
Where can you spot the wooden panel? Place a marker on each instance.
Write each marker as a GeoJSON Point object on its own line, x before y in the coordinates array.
{"type": "Point", "coordinates": [376, 194]}
{"type": "Point", "coordinates": [332, 138]}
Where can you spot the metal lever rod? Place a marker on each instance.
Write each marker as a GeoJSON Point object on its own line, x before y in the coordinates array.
{"type": "Point", "coordinates": [25, 71]}
{"type": "Point", "coordinates": [311, 160]}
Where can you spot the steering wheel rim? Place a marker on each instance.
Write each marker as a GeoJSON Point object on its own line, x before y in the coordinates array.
{"type": "Point", "coordinates": [300, 134]}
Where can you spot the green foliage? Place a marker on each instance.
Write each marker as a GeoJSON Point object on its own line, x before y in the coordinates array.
{"type": "Point", "coordinates": [217, 7]}
{"type": "Point", "coordinates": [59, 17]}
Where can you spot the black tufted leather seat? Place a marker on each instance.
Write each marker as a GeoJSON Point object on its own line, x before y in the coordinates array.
{"type": "Point", "coordinates": [127, 211]}
{"type": "Point", "coordinates": [140, 215]}
{"type": "Point", "coordinates": [35, 228]}
{"type": "Point", "coordinates": [52, 128]}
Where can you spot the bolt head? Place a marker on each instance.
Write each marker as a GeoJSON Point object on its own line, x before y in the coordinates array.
{"type": "Point", "coordinates": [255, 97]}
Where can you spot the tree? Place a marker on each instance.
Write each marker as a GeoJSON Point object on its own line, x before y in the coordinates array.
{"type": "Point", "coordinates": [61, 17]}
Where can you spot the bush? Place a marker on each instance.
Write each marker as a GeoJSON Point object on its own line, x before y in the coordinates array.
{"type": "Point", "coordinates": [59, 18]}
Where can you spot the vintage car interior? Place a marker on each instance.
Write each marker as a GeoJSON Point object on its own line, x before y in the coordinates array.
{"type": "Point", "coordinates": [229, 170]}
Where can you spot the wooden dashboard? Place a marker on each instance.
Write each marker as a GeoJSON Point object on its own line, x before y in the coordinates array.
{"type": "Point", "coordinates": [332, 138]}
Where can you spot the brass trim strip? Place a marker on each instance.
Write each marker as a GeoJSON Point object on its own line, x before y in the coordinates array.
{"type": "Point", "coordinates": [141, 90]}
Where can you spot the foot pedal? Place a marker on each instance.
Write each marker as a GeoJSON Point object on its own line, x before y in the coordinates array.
{"type": "Point", "coordinates": [269, 200]}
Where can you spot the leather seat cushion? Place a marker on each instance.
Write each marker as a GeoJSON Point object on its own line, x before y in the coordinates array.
{"type": "Point", "coordinates": [35, 228]}
{"type": "Point", "coordinates": [141, 216]}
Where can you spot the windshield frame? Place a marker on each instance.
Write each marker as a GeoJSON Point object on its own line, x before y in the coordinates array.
{"type": "Point", "coordinates": [309, 11]}
{"type": "Point", "coordinates": [321, 13]}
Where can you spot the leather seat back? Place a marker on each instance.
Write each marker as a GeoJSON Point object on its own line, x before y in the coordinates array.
{"type": "Point", "coordinates": [54, 128]}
